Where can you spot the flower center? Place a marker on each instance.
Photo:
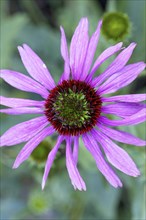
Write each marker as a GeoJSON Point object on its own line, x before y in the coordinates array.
{"type": "Point", "coordinates": [73, 107]}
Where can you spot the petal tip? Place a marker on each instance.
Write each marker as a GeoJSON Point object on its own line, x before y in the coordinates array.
{"type": "Point", "coordinates": [43, 185]}
{"type": "Point", "coordinates": [137, 173]}
{"type": "Point", "coordinates": [120, 44]}
{"type": "Point", "coordinates": [120, 185]}
{"type": "Point", "coordinates": [84, 188]}
{"type": "Point", "coordinates": [100, 22]}
{"type": "Point", "coordinates": [83, 20]}
{"type": "Point", "coordinates": [15, 165]}
{"type": "Point", "coordinates": [19, 48]}
{"type": "Point", "coordinates": [25, 46]}
{"type": "Point", "coordinates": [61, 28]}
{"type": "Point", "coordinates": [133, 44]}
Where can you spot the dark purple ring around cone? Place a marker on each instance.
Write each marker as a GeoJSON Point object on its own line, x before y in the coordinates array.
{"type": "Point", "coordinates": [93, 100]}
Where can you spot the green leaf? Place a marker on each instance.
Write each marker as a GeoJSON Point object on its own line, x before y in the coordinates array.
{"type": "Point", "coordinates": [10, 28]}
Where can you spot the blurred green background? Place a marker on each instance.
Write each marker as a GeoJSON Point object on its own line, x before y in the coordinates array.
{"type": "Point", "coordinates": [36, 22]}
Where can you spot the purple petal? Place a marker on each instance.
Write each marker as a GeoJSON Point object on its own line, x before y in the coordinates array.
{"type": "Point", "coordinates": [23, 110]}
{"type": "Point", "coordinates": [23, 132]}
{"type": "Point", "coordinates": [78, 48]}
{"type": "Point", "coordinates": [125, 98]}
{"type": "Point", "coordinates": [103, 57]}
{"type": "Point", "coordinates": [16, 102]}
{"type": "Point", "coordinates": [64, 52]}
{"type": "Point", "coordinates": [102, 165]}
{"type": "Point", "coordinates": [116, 155]}
{"type": "Point", "coordinates": [123, 78]}
{"type": "Point", "coordinates": [31, 145]}
{"type": "Point", "coordinates": [121, 136]}
{"type": "Point", "coordinates": [123, 109]}
{"type": "Point", "coordinates": [23, 82]}
{"type": "Point", "coordinates": [116, 65]}
{"type": "Point", "coordinates": [50, 160]}
{"type": "Point", "coordinates": [137, 118]}
{"type": "Point", "coordinates": [35, 67]}
{"type": "Point", "coordinates": [73, 172]}
{"type": "Point", "coordinates": [76, 149]}
{"type": "Point", "coordinates": [91, 51]}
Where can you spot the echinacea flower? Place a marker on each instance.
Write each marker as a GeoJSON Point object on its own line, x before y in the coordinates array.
{"type": "Point", "coordinates": [77, 106]}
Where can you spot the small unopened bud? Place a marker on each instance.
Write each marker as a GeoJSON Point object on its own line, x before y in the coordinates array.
{"type": "Point", "coordinates": [40, 153]}
{"type": "Point", "coordinates": [116, 26]}
{"type": "Point", "coordinates": [38, 202]}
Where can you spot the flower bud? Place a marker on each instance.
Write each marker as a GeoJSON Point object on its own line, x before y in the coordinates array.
{"type": "Point", "coordinates": [116, 26]}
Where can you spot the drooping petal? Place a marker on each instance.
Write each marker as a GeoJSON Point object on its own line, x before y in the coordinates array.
{"type": "Point", "coordinates": [123, 78]}
{"type": "Point", "coordinates": [123, 109]}
{"type": "Point", "coordinates": [23, 132]}
{"type": "Point", "coordinates": [22, 82]}
{"type": "Point", "coordinates": [16, 102]}
{"type": "Point", "coordinates": [125, 98]}
{"type": "Point", "coordinates": [103, 57]}
{"type": "Point", "coordinates": [36, 67]}
{"type": "Point", "coordinates": [137, 118]}
{"type": "Point", "coordinates": [91, 51]}
{"type": "Point", "coordinates": [116, 155]}
{"type": "Point", "coordinates": [31, 145]}
{"type": "Point", "coordinates": [76, 149]}
{"type": "Point", "coordinates": [65, 55]}
{"type": "Point", "coordinates": [50, 160]}
{"type": "Point", "coordinates": [121, 136]}
{"type": "Point", "coordinates": [23, 110]}
{"type": "Point", "coordinates": [116, 65]}
{"type": "Point", "coordinates": [73, 172]}
{"type": "Point", "coordinates": [78, 48]}
{"type": "Point", "coordinates": [102, 165]}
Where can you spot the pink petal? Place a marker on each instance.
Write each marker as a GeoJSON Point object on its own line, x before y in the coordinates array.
{"type": "Point", "coordinates": [121, 136]}
{"type": "Point", "coordinates": [36, 67]}
{"type": "Point", "coordinates": [31, 145]}
{"type": "Point", "coordinates": [122, 78]}
{"type": "Point", "coordinates": [50, 160]}
{"type": "Point", "coordinates": [116, 65]}
{"type": "Point", "coordinates": [137, 118]}
{"type": "Point", "coordinates": [73, 172]}
{"type": "Point", "coordinates": [23, 110]}
{"type": "Point", "coordinates": [102, 165]}
{"type": "Point", "coordinates": [91, 51]}
{"type": "Point", "coordinates": [23, 132]}
{"type": "Point", "coordinates": [23, 82]}
{"type": "Point", "coordinates": [103, 57]}
{"type": "Point", "coordinates": [78, 48]}
{"type": "Point", "coordinates": [123, 109]}
{"type": "Point", "coordinates": [64, 52]}
{"type": "Point", "coordinates": [116, 155]}
{"type": "Point", "coordinates": [76, 149]}
{"type": "Point", "coordinates": [125, 98]}
{"type": "Point", "coordinates": [16, 102]}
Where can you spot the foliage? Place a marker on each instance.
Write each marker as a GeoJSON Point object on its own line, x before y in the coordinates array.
{"type": "Point", "coordinates": [28, 22]}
